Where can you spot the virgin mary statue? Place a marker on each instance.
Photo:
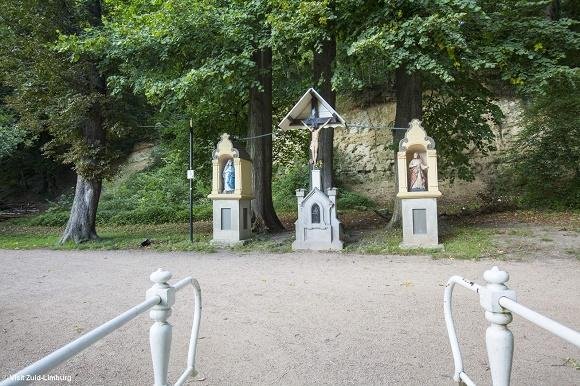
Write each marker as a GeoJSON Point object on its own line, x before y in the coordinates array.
{"type": "Point", "coordinates": [229, 177]}
{"type": "Point", "coordinates": [417, 177]}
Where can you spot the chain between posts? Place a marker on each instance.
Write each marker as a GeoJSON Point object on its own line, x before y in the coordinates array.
{"type": "Point", "coordinates": [273, 134]}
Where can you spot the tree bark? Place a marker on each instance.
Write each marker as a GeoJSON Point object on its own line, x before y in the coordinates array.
{"type": "Point", "coordinates": [553, 10]}
{"type": "Point", "coordinates": [408, 93]}
{"type": "Point", "coordinates": [260, 149]}
{"type": "Point", "coordinates": [81, 225]}
{"type": "Point", "coordinates": [322, 73]}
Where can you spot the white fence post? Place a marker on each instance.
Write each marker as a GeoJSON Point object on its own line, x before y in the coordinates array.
{"type": "Point", "coordinates": [160, 332]}
{"type": "Point", "coordinates": [498, 338]}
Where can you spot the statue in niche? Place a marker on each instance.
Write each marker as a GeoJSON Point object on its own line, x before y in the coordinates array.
{"type": "Point", "coordinates": [229, 176]}
{"type": "Point", "coordinates": [417, 174]}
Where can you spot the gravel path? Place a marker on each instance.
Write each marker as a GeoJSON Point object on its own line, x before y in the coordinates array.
{"type": "Point", "coordinates": [289, 319]}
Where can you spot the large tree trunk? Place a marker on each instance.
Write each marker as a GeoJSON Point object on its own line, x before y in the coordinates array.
{"type": "Point", "coordinates": [408, 93]}
{"type": "Point", "coordinates": [322, 73]}
{"type": "Point", "coordinates": [260, 149]}
{"type": "Point", "coordinates": [81, 225]}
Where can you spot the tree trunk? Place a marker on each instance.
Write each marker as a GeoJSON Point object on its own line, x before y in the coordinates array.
{"type": "Point", "coordinates": [553, 10]}
{"type": "Point", "coordinates": [322, 73]}
{"type": "Point", "coordinates": [81, 225]}
{"type": "Point", "coordinates": [408, 92]}
{"type": "Point", "coordinates": [260, 149]}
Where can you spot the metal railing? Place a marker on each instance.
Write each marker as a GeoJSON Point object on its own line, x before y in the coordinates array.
{"type": "Point", "coordinates": [499, 302]}
{"type": "Point", "coordinates": [159, 299]}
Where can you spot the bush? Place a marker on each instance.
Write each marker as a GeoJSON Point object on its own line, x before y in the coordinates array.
{"type": "Point", "coordinates": [287, 180]}
{"type": "Point", "coordinates": [543, 167]}
{"type": "Point", "coordinates": [284, 185]}
{"type": "Point", "coordinates": [161, 195]}
{"type": "Point", "coordinates": [158, 195]}
{"type": "Point", "coordinates": [351, 200]}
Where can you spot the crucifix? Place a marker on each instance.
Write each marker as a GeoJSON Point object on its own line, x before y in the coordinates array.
{"type": "Point", "coordinates": [314, 124]}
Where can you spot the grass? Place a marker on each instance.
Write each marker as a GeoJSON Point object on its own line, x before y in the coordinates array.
{"type": "Point", "coordinates": [464, 242]}
{"type": "Point", "coordinates": [468, 242]}
{"type": "Point", "coordinates": [164, 237]}
{"type": "Point", "coordinates": [520, 232]}
{"type": "Point", "coordinates": [263, 243]}
{"type": "Point", "coordinates": [574, 252]}
{"type": "Point", "coordinates": [365, 231]}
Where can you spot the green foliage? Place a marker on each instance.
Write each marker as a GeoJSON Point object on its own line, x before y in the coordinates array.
{"type": "Point", "coordinates": [10, 136]}
{"type": "Point", "coordinates": [284, 184]}
{"type": "Point", "coordinates": [287, 179]}
{"type": "Point", "coordinates": [457, 121]}
{"type": "Point", "coordinates": [163, 237]}
{"type": "Point", "coordinates": [465, 52]}
{"type": "Point", "coordinates": [155, 196]}
{"type": "Point", "coordinates": [166, 62]}
{"type": "Point", "coordinates": [463, 242]}
{"type": "Point", "coordinates": [351, 200]}
{"type": "Point", "coordinates": [54, 90]}
{"type": "Point", "coordinates": [543, 167]}
{"type": "Point", "coordinates": [160, 195]}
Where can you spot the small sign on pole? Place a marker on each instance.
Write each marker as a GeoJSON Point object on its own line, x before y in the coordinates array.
{"type": "Point", "coordinates": [190, 174]}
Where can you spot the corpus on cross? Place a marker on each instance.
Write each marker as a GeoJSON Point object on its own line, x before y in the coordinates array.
{"type": "Point", "coordinates": [314, 123]}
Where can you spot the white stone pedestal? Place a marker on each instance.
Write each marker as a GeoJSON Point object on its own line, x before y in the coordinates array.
{"type": "Point", "coordinates": [420, 228]}
{"type": "Point", "coordinates": [317, 227]}
{"type": "Point", "coordinates": [232, 221]}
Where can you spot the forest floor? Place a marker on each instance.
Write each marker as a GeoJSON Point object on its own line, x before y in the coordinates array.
{"type": "Point", "coordinates": [505, 235]}
{"type": "Point", "coordinates": [283, 318]}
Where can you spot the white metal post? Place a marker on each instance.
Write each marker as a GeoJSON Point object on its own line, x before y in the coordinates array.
{"type": "Point", "coordinates": [498, 338]}
{"type": "Point", "coordinates": [160, 332]}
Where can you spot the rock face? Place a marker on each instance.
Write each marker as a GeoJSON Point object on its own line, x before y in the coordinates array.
{"type": "Point", "coordinates": [365, 162]}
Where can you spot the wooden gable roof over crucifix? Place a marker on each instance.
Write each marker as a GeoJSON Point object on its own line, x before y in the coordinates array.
{"type": "Point", "coordinates": [311, 110]}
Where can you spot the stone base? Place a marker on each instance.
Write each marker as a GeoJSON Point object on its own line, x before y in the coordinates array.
{"type": "Point", "coordinates": [227, 243]}
{"type": "Point", "coordinates": [440, 247]}
{"type": "Point", "coordinates": [315, 245]}
{"type": "Point", "coordinates": [231, 221]}
{"type": "Point", "coordinates": [420, 227]}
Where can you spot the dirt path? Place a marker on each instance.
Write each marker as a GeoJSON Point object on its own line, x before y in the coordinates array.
{"type": "Point", "coordinates": [291, 319]}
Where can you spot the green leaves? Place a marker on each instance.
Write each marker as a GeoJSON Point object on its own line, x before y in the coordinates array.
{"type": "Point", "coordinates": [543, 166]}
{"type": "Point", "coordinates": [51, 55]}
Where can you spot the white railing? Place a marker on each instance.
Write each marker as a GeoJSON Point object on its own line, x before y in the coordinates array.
{"type": "Point", "coordinates": [159, 298]}
{"type": "Point", "coordinates": [498, 302]}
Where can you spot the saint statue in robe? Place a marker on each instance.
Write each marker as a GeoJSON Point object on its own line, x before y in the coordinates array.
{"type": "Point", "coordinates": [229, 176]}
{"type": "Point", "coordinates": [417, 175]}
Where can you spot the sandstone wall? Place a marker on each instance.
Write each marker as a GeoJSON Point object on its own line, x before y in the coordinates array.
{"type": "Point", "coordinates": [364, 161]}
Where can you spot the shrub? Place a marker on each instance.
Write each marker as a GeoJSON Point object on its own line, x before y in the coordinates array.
{"type": "Point", "coordinates": [542, 169]}
{"type": "Point", "coordinates": [161, 195]}
{"type": "Point", "coordinates": [284, 184]}
{"type": "Point", "coordinates": [287, 180]}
